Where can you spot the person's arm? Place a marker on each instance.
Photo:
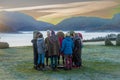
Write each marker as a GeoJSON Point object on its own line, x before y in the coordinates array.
{"type": "Point", "coordinates": [73, 45]}
{"type": "Point", "coordinates": [58, 43]}
{"type": "Point", "coordinates": [32, 41]}
{"type": "Point", "coordinates": [43, 45]}
{"type": "Point", "coordinates": [46, 44]}
{"type": "Point", "coordinates": [63, 46]}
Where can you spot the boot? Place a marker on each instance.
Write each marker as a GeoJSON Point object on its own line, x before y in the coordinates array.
{"type": "Point", "coordinates": [43, 66]}
{"type": "Point", "coordinates": [35, 67]}
{"type": "Point", "coordinates": [39, 67]}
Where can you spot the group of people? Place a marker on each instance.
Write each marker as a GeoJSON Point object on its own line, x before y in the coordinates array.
{"type": "Point", "coordinates": [54, 46]}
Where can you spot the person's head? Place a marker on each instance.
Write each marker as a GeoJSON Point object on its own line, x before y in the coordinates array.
{"type": "Point", "coordinates": [76, 35]}
{"type": "Point", "coordinates": [60, 31]}
{"type": "Point", "coordinates": [68, 34]}
{"type": "Point", "coordinates": [48, 33]}
{"type": "Point", "coordinates": [52, 33]}
{"type": "Point", "coordinates": [72, 33]}
{"type": "Point", "coordinates": [35, 34]}
{"type": "Point", "coordinates": [60, 34]}
{"type": "Point", "coordinates": [80, 35]}
{"type": "Point", "coordinates": [40, 35]}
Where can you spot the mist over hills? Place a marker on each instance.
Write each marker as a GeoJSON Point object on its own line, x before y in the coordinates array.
{"type": "Point", "coordinates": [16, 21]}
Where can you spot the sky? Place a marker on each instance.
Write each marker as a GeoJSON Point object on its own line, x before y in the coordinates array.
{"type": "Point", "coordinates": [25, 3]}
{"type": "Point", "coordinates": [44, 9]}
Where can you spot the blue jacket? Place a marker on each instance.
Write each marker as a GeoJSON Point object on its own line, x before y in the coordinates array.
{"type": "Point", "coordinates": [67, 46]}
{"type": "Point", "coordinates": [41, 46]}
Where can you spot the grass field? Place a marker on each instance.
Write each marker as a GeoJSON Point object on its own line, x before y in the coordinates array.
{"type": "Point", "coordinates": [99, 63]}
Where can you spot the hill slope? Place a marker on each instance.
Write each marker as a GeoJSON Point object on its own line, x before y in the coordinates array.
{"type": "Point", "coordinates": [16, 21]}
{"type": "Point", "coordinates": [90, 24]}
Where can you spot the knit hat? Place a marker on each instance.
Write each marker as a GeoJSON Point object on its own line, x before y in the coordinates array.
{"type": "Point", "coordinates": [52, 33]}
{"type": "Point", "coordinates": [68, 34]}
{"type": "Point", "coordinates": [35, 34]}
{"type": "Point", "coordinates": [48, 32]}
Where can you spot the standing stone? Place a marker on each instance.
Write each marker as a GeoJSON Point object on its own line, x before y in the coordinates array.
{"type": "Point", "coordinates": [118, 40]}
{"type": "Point", "coordinates": [108, 42]}
{"type": "Point", "coordinates": [4, 45]}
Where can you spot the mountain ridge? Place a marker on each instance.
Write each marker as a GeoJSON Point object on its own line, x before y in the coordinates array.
{"type": "Point", "coordinates": [16, 21]}
{"type": "Point", "coordinates": [90, 24]}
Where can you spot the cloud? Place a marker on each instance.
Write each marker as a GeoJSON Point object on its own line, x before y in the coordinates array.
{"type": "Point", "coordinates": [41, 7]}
{"type": "Point", "coordinates": [81, 8]}
{"type": "Point", "coordinates": [1, 7]}
{"type": "Point", "coordinates": [66, 5]}
{"type": "Point", "coordinates": [63, 10]}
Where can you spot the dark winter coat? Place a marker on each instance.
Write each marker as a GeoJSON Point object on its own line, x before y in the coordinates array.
{"type": "Point", "coordinates": [53, 46]}
{"type": "Point", "coordinates": [48, 50]}
{"type": "Point", "coordinates": [35, 52]}
{"type": "Point", "coordinates": [77, 51]}
{"type": "Point", "coordinates": [60, 37]}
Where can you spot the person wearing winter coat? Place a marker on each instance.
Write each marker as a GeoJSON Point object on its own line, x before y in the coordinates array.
{"type": "Point", "coordinates": [41, 50]}
{"type": "Point", "coordinates": [60, 36]}
{"type": "Point", "coordinates": [47, 43]}
{"type": "Point", "coordinates": [80, 35]}
{"type": "Point", "coordinates": [67, 49]}
{"type": "Point", "coordinates": [54, 50]}
{"type": "Point", "coordinates": [72, 33]}
{"type": "Point", "coordinates": [77, 60]}
{"type": "Point", "coordinates": [35, 52]}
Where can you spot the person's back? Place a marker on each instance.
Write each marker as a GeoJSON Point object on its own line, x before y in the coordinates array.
{"type": "Point", "coordinates": [77, 50]}
{"type": "Point", "coordinates": [60, 36]}
{"type": "Point", "coordinates": [78, 43]}
{"type": "Point", "coordinates": [54, 48]}
{"type": "Point", "coordinates": [54, 43]}
{"type": "Point", "coordinates": [67, 46]}
{"type": "Point", "coordinates": [40, 45]}
{"type": "Point", "coordinates": [48, 50]}
{"type": "Point", "coordinates": [41, 50]}
{"type": "Point", "coordinates": [67, 49]}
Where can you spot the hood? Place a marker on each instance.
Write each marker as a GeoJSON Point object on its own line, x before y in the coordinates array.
{"type": "Point", "coordinates": [40, 39]}
{"type": "Point", "coordinates": [53, 38]}
{"type": "Point", "coordinates": [68, 38]}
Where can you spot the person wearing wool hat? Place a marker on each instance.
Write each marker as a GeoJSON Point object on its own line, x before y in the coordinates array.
{"type": "Point", "coordinates": [35, 52]}
{"type": "Point", "coordinates": [60, 36]}
{"type": "Point", "coordinates": [47, 43]}
{"type": "Point", "coordinates": [67, 50]}
{"type": "Point", "coordinates": [68, 34]}
{"type": "Point", "coordinates": [72, 33]}
{"type": "Point", "coordinates": [77, 60]}
{"type": "Point", "coordinates": [53, 50]}
{"type": "Point", "coordinates": [41, 51]}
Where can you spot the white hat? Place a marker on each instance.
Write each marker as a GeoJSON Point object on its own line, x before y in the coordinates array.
{"type": "Point", "coordinates": [67, 34]}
